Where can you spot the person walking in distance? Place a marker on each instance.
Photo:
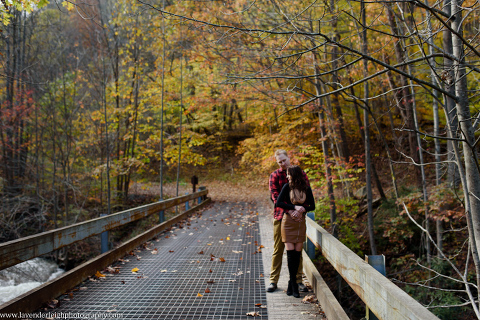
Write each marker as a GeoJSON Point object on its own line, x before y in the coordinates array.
{"type": "Point", "coordinates": [297, 199]}
{"type": "Point", "coordinates": [278, 179]}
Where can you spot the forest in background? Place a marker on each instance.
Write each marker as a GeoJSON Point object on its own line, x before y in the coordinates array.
{"type": "Point", "coordinates": [377, 101]}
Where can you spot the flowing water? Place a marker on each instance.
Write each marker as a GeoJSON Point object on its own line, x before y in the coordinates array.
{"type": "Point", "coordinates": [25, 276]}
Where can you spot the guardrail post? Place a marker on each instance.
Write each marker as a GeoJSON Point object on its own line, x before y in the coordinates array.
{"type": "Point", "coordinates": [104, 238]}
{"type": "Point", "coordinates": [201, 188]}
{"type": "Point", "coordinates": [187, 204]}
{"type": "Point", "coordinates": [378, 263]}
{"type": "Point", "coordinates": [309, 246]}
{"type": "Point", "coordinates": [161, 216]}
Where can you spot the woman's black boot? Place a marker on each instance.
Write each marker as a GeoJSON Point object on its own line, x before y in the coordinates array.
{"type": "Point", "coordinates": [293, 259]}
{"type": "Point", "coordinates": [290, 263]}
{"type": "Point", "coordinates": [295, 292]}
{"type": "Point", "coordinates": [289, 289]}
{"type": "Point", "coordinates": [293, 279]}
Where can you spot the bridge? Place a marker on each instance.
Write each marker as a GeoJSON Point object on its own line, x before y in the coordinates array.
{"type": "Point", "coordinates": [211, 261]}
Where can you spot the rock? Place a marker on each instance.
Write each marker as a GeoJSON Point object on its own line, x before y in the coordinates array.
{"type": "Point", "coordinates": [360, 193]}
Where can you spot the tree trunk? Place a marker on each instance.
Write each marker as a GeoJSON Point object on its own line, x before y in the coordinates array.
{"type": "Point", "coordinates": [422, 170]}
{"type": "Point", "coordinates": [107, 142]}
{"type": "Point", "coordinates": [448, 77]}
{"type": "Point", "coordinates": [378, 184]}
{"type": "Point", "coordinates": [327, 164]}
{"type": "Point", "coordinates": [468, 133]}
{"type": "Point", "coordinates": [371, 233]}
{"type": "Point", "coordinates": [180, 127]}
{"type": "Point", "coordinates": [404, 94]}
{"type": "Point", "coordinates": [344, 151]}
{"type": "Point", "coordinates": [436, 133]}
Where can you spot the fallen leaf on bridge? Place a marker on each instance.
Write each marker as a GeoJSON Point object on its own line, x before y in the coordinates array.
{"type": "Point", "coordinates": [199, 295]}
{"type": "Point", "coordinates": [99, 275]}
{"type": "Point", "coordinates": [310, 299]}
{"type": "Point", "coordinates": [222, 259]}
{"type": "Point", "coordinates": [154, 251]}
{"type": "Point", "coordinates": [53, 304]}
{"type": "Point", "coordinates": [201, 252]}
{"type": "Point", "coordinates": [207, 290]}
{"type": "Point", "coordinates": [171, 251]}
{"type": "Point", "coordinates": [260, 305]}
{"type": "Point", "coordinates": [253, 314]}
{"type": "Point", "coordinates": [113, 270]}
{"type": "Point", "coordinates": [135, 270]}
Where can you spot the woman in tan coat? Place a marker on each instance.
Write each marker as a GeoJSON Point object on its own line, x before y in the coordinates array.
{"type": "Point", "coordinates": [294, 195]}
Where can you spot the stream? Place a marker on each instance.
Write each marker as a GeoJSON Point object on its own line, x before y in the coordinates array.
{"type": "Point", "coordinates": [25, 276]}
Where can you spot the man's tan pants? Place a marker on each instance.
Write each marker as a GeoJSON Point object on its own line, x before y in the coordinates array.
{"type": "Point", "coordinates": [277, 256]}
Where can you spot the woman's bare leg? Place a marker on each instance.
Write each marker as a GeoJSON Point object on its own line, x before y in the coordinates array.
{"type": "Point", "coordinates": [298, 246]}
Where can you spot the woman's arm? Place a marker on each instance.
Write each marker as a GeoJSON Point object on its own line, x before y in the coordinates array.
{"type": "Point", "coordinates": [283, 200]}
{"type": "Point", "coordinates": [309, 203]}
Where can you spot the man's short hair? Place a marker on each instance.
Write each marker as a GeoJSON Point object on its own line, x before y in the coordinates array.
{"type": "Point", "coordinates": [281, 151]}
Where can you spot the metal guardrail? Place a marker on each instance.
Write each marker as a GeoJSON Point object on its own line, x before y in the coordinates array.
{"type": "Point", "coordinates": [384, 299]}
{"type": "Point", "coordinates": [23, 249]}
{"type": "Point", "coordinates": [34, 299]}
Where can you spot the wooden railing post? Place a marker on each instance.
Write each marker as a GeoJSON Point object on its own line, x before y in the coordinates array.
{"type": "Point", "coordinates": [187, 204]}
{"type": "Point", "coordinates": [201, 188]}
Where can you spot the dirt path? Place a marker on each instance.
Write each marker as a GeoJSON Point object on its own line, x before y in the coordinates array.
{"type": "Point", "coordinates": [231, 191]}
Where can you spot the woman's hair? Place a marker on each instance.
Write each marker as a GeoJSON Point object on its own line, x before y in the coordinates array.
{"type": "Point", "coordinates": [298, 180]}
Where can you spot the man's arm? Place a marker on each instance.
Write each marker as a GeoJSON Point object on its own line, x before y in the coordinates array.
{"type": "Point", "coordinates": [274, 187]}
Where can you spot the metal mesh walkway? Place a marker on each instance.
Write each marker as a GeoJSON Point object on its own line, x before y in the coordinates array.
{"type": "Point", "coordinates": [208, 268]}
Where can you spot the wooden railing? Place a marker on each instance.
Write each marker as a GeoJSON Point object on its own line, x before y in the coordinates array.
{"type": "Point", "coordinates": [383, 298]}
{"type": "Point", "coordinates": [22, 249]}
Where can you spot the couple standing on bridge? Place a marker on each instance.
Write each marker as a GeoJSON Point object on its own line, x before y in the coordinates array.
{"type": "Point", "coordinates": [292, 196]}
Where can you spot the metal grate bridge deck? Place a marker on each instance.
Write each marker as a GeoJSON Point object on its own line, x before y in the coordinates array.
{"type": "Point", "coordinates": [210, 267]}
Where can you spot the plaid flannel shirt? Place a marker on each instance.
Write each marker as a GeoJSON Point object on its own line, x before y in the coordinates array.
{"type": "Point", "coordinates": [276, 182]}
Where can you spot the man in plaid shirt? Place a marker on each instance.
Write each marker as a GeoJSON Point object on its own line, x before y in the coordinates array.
{"type": "Point", "coordinates": [277, 180]}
